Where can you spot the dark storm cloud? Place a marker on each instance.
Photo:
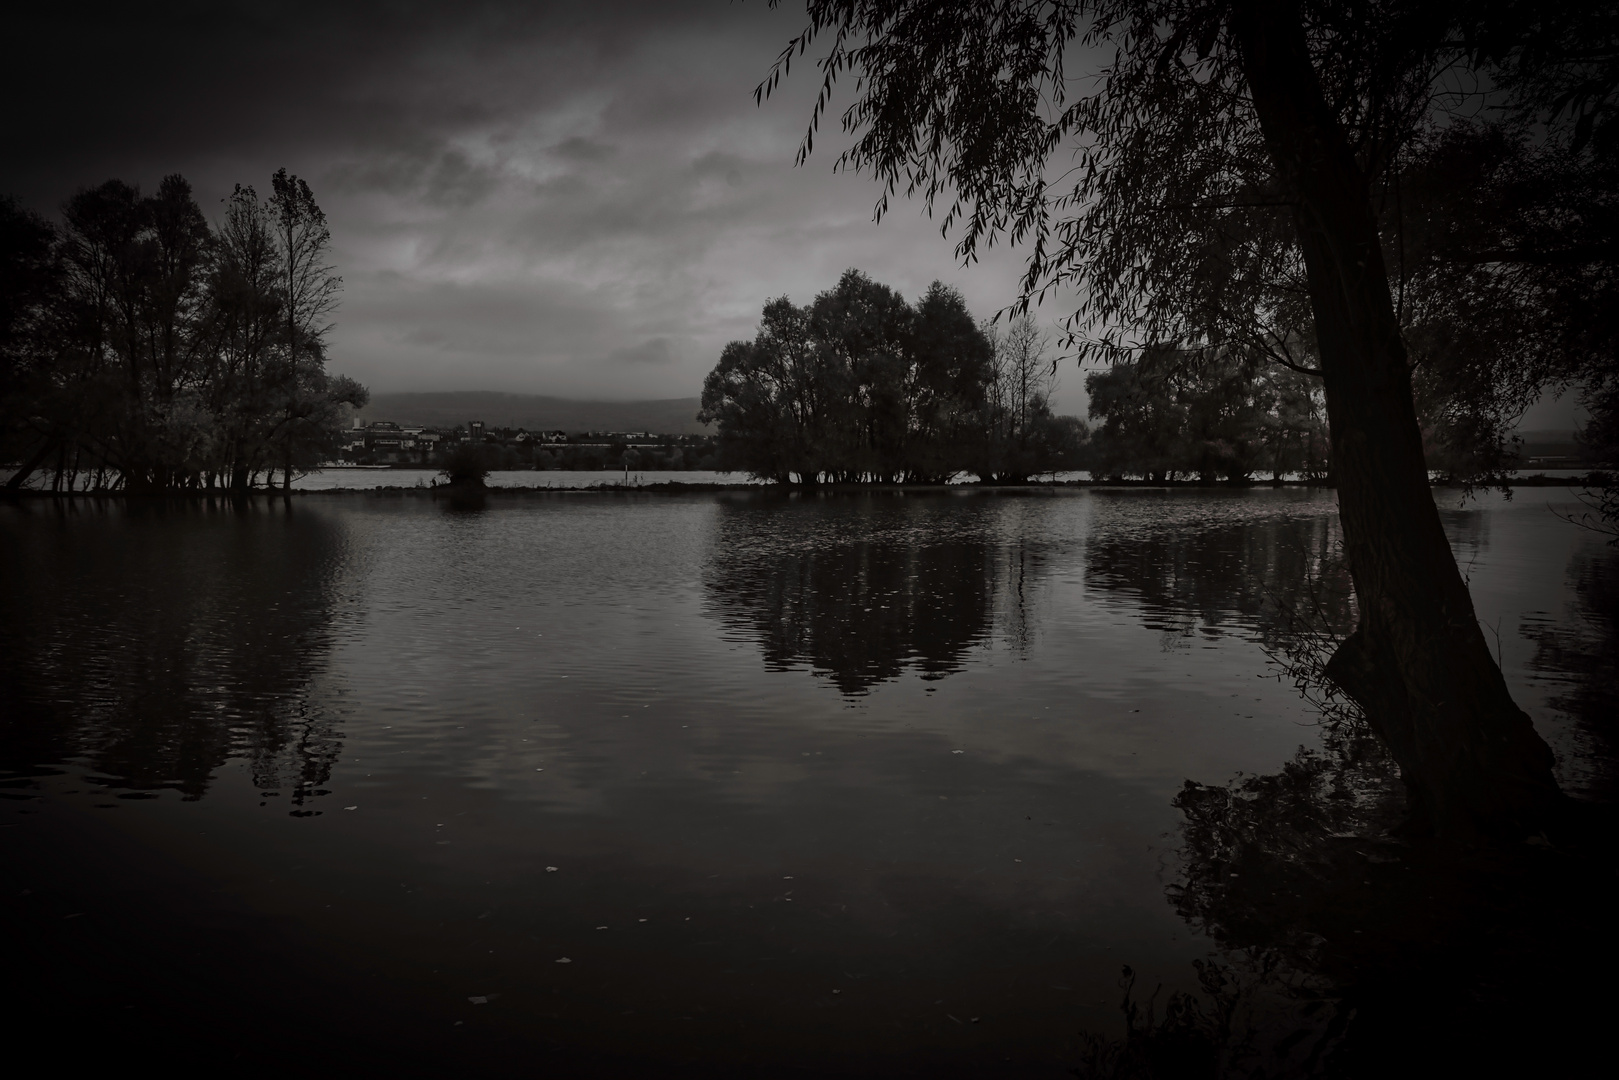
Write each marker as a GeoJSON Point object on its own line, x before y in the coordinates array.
{"type": "Point", "coordinates": [567, 198]}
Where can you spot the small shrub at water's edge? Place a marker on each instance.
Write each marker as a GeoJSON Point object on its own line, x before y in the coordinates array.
{"type": "Point", "coordinates": [466, 466]}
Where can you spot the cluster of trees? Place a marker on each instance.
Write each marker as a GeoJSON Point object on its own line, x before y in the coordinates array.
{"type": "Point", "coordinates": [1020, 437]}
{"type": "Point", "coordinates": [1226, 418]}
{"type": "Point", "coordinates": [1414, 202]}
{"type": "Point", "coordinates": [1501, 270]}
{"type": "Point", "coordinates": [143, 350]}
{"type": "Point", "coordinates": [860, 386]}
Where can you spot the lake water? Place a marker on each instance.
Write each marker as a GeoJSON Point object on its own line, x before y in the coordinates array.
{"type": "Point", "coordinates": [723, 783]}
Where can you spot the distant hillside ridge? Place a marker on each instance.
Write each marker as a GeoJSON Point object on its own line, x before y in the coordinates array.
{"type": "Point", "coordinates": [668, 416]}
{"type": "Point", "coordinates": [1544, 446]}
{"type": "Point", "coordinates": [1541, 438]}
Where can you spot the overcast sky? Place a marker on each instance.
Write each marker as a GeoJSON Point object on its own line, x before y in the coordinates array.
{"type": "Point", "coordinates": [575, 199]}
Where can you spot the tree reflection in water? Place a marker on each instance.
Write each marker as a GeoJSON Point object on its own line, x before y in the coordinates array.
{"type": "Point", "coordinates": [152, 666]}
{"type": "Point", "coordinates": [1580, 651]}
{"type": "Point", "coordinates": [1349, 949]}
{"type": "Point", "coordinates": [1278, 579]}
{"type": "Point", "coordinates": [883, 584]}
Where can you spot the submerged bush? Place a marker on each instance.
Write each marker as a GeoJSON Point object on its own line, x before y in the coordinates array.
{"type": "Point", "coordinates": [466, 466]}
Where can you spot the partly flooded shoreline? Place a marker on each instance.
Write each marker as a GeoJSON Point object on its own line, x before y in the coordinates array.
{"type": "Point", "coordinates": [1535, 480]}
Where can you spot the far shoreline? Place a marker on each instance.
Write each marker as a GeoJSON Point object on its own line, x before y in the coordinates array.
{"type": "Point", "coordinates": [680, 487]}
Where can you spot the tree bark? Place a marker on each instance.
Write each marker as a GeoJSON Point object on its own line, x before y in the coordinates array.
{"type": "Point", "coordinates": [1418, 662]}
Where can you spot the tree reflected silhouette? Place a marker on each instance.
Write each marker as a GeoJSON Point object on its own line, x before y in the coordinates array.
{"type": "Point", "coordinates": [152, 642]}
{"type": "Point", "coordinates": [862, 588]}
{"type": "Point", "coordinates": [1271, 577]}
{"type": "Point", "coordinates": [1581, 652]}
{"type": "Point", "coordinates": [1350, 948]}
{"type": "Point", "coordinates": [1372, 951]}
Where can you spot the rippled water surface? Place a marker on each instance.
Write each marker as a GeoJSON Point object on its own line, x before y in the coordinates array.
{"type": "Point", "coordinates": [852, 783]}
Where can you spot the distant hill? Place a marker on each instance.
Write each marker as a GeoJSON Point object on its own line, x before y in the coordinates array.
{"type": "Point", "coordinates": [1543, 443]}
{"type": "Point", "coordinates": [670, 416]}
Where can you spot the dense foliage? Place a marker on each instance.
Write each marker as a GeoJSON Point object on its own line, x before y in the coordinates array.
{"type": "Point", "coordinates": [859, 386]}
{"type": "Point", "coordinates": [1020, 436]}
{"type": "Point", "coordinates": [468, 464]}
{"type": "Point", "coordinates": [142, 349]}
{"type": "Point", "coordinates": [1165, 417]}
{"type": "Point", "coordinates": [1506, 274]}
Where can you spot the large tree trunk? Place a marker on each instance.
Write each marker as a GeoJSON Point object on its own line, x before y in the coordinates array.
{"type": "Point", "coordinates": [1418, 662]}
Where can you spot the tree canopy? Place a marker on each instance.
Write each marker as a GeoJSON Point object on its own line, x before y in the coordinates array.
{"type": "Point", "coordinates": [1163, 419]}
{"type": "Point", "coordinates": [145, 349]}
{"type": "Point", "coordinates": [861, 386]}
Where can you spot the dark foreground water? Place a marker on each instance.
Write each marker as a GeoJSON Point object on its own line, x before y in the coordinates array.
{"type": "Point", "coordinates": [736, 783]}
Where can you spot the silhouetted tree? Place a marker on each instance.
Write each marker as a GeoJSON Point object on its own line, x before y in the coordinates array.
{"type": "Point", "coordinates": [1294, 430]}
{"type": "Point", "coordinates": [466, 465]}
{"type": "Point", "coordinates": [863, 375]}
{"type": "Point", "coordinates": [1021, 435]}
{"type": "Point", "coordinates": [30, 284]}
{"type": "Point", "coordinates": [134, 330]}
{"type": "Point", "coordinates": [248, 328]}
{"type": "Point", "coordinates": [1216, 415]}
{"type": "Point", "coordinates": [309, 294]}
{"type": "Point", "coordinates": [1141, 419]}
{"type": "Point", "coordinates": [858, 386]}
{"type": "Point", "coordinates": [146, 350]}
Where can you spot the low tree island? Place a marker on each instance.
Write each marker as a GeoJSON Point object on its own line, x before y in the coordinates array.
{"type": "Point", "coordinates": [466, 467]}
{"type": "Point", "coordinates": [861, 387]}
{"type": "Point", "coordinates": [143, 350]}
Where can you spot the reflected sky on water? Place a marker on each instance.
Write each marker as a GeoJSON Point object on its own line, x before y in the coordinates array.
{"type": "Point", "coordinates": [916, 748]}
